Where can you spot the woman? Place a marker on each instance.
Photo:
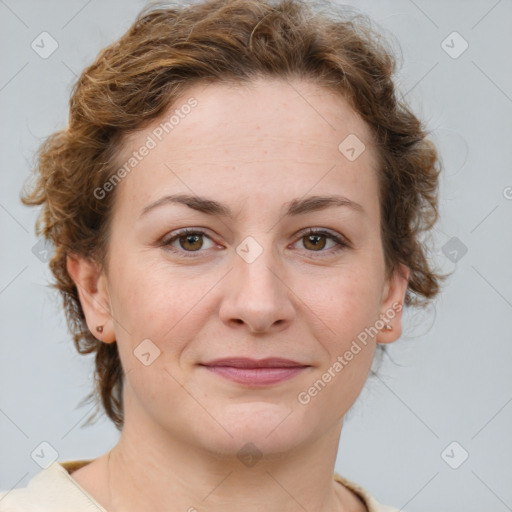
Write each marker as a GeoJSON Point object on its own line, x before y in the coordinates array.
{"type": "Point", "coordinates": [236, 207]}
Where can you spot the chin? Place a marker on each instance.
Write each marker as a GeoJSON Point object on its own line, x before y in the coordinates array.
{"type": "Point", "coordinates": [259, 427]}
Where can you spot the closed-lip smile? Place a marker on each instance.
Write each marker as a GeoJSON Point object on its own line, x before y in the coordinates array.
{"type": "Point", "coordinates": [246, 362]}
{"type": "Point", "coordinates": [255, 372]}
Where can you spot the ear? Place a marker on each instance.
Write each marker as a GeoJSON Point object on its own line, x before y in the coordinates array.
{"type": "Point", "coordinates": [392, 306]}
{"type": "Point", "coordinates": [91, 284]}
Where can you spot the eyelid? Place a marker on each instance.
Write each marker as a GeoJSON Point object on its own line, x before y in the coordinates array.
{"type": "Point", "coordinates": [324, 231]}
{"type": "Point", "coordinates": [341, 241]}
{"type": "Point", "coordinates": [167, 240]}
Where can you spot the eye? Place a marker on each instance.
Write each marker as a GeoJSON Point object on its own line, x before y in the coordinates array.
{"type": "Point", "coordinates": [189, 240]}
{"type": "Point", "coordinates": [316, 240]}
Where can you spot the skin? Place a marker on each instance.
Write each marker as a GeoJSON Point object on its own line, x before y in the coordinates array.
{"type": "Point", "coordinates": [253, 148]}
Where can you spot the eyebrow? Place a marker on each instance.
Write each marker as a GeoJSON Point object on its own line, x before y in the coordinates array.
{"type": "Point", "coordinates": [294, 207]}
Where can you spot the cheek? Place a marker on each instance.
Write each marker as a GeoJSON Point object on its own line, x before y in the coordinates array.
{"type": "Point", "coordinates": [348, 307]}
{"type": "Point", "coordinates": [347, 301]}
{"type": "Point", "coordinates": [153, 300]}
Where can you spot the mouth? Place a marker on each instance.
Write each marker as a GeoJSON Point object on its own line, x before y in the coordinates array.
{"type": "Point", "coordinates": [253, 372]}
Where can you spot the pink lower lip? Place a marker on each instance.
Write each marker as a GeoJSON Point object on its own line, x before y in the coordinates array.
{"type": "Point", "coordinates": [256, 376]}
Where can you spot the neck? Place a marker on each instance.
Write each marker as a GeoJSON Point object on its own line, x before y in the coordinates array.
{"type": "Point", "coordinates": [147, 472]}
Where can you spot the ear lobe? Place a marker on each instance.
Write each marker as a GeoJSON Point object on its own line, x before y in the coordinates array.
{"type": "Point", "coordinates": [91, 284]}
{"type": "Point", "coordinates": [393, 304]}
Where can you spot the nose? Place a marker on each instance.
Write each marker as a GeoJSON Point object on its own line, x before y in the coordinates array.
{"type": "Point", "coordinates": [257, 295]}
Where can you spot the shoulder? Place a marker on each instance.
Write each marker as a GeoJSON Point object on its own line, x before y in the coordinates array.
{"type": "Point", "coordinates": [371, 503]}
{"type": "Point", "coordinates": [53, 490]}
{"type": "Point", "coordinates": [50, 490]}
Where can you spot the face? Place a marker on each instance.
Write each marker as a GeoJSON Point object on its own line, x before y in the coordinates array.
{"type": "Point", "coordinates": [267, 269]}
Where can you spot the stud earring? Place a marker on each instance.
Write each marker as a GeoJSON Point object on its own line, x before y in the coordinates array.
{"type": "Point", "coordinates": [99, 328]}
{"type": "Point", "coordinates": [388, 327]}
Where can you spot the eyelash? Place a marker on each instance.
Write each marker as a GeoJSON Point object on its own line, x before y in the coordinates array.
{"type": "Point", "coordinates": [340, 242]}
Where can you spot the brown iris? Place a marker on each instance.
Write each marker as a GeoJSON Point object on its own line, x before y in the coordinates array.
{"type": "Point", "coordinates": [316, 241]}
{"type": "Point", "coordinates": [194, 242]}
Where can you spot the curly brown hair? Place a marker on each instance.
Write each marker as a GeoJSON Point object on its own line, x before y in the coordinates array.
{"type": "Point", "coordinates": [171, 47]}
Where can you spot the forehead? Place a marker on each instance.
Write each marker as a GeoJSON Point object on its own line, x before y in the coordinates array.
{"type": "Point", "coordinates": [268, 134]}
{"type": "Point", "coordinates": [264, 106]}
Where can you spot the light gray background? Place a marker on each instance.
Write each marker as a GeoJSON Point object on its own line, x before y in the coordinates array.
{"type": "Point", "coordinates": [452, 381]}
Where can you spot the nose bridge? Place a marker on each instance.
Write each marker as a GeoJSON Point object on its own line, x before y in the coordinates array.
{"type": "Point", "coordinates": [257, 294]}
{"type": "Point", "coordinates": [256, 265]}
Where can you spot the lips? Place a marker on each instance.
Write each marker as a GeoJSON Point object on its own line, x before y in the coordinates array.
{"type": "Point", "coordinates": [255, 372]}
{"type": "Point", "coordinates": [245, 362]}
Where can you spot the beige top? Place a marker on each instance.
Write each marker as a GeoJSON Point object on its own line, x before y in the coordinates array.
{"type": "Point", "coordinates": [53, 490]}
